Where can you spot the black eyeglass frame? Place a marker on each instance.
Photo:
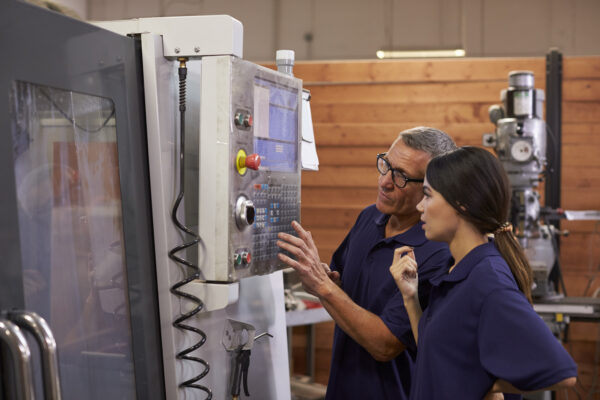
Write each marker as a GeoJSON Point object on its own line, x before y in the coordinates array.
{"type": "Point", "coordinates": [396, 173]}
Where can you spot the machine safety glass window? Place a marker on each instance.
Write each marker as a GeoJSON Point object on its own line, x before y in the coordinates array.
{"type": "Point", "coordinates": [71, 227]}
{"type": "Point", "coordinates": [398, 177]}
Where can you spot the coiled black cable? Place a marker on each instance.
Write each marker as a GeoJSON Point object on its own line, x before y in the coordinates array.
{"type": "Point", "coordinates": [195, 270]}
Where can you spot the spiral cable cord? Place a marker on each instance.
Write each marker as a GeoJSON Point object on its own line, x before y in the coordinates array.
{"type": "Point", "coordinates": [193, 268]}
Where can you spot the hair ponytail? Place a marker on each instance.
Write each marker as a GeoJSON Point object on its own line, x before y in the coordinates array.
{"type": "Point", "coordinates": [513, 254]}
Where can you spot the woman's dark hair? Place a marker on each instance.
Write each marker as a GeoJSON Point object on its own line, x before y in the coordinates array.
{"type": "Point", "coordinates": [473, 181]}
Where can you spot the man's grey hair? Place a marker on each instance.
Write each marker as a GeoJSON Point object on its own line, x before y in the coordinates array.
{"type": "Point", "coordinates": [430, 140]}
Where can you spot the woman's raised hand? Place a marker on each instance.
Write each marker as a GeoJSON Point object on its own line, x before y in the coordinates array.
{"type": "Point", "coordinates": [404, 271]}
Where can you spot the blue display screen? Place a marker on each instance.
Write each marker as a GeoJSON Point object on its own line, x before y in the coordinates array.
{"type": "Point", "coordinates": [276, 125]}
{"type": "Point", "coordinates": [278, 156]}
{"type": "Point", "coordinates": [283, 123]}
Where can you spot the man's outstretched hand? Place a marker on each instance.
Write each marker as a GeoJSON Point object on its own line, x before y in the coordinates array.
{"type": "Point", "coordinates": [316, 277]}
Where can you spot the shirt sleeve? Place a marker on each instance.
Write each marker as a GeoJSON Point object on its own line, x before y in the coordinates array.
{"type": "Point", "coordinates": [394, 315]}
{"type": "Point", "coordinates": [338, 259]}
{"type": "Point", "coordinates": [430, 265]}
{"type": "Point", "coordinates": [396, 319]}
{"type": "Point", "coordinates": [516, 345]}
{"type": "Point", "coordinates": [339, 256]}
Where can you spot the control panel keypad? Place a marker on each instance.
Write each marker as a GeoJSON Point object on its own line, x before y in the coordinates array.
{"type": "Point", "coordinates": [276, 206]}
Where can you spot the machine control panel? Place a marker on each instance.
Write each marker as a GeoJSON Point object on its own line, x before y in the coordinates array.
{"type": "Point", "coordinates": [260, 123]}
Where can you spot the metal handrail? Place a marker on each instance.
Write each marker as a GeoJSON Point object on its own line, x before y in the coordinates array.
{"type": "Point", "coordinates": [21, 357]}
{"type": "Point", "coordinates": [40, 329]}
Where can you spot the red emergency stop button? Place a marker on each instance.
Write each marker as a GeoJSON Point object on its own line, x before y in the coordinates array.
{"type": "Point", "coordinates": [252, 161]}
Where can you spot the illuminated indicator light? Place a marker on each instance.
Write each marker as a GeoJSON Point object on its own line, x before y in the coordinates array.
{"type": "Point", "coordinates": [246, 257]}
{"type": "Point", "coordinates": [237, 259]}
{"type": "Point", "coordinates": [248, 121]}
{"type": "Point", "coordinates": [239, 119]}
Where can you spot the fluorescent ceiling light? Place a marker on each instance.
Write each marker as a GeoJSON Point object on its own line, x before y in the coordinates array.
{"type": "Point", "coordinates": [381, 54]}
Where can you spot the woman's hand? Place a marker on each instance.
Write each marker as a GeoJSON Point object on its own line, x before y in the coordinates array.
{"type": "Point", "coordinates": [404, 271]}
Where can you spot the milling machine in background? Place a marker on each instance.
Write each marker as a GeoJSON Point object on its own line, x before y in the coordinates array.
{"type": "Point", "coordinates": [520, 143]}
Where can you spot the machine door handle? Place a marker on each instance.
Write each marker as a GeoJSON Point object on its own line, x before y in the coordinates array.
{"type": "Point", "coordinates": [39, 328]}
{"type": "Point", "coordinates": [21, 358]}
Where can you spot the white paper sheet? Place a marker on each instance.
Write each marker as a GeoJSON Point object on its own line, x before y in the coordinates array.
{"type": "Point", "coordinates": [310, 160]}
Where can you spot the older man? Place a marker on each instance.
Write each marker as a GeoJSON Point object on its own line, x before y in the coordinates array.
{"type": "Point", "coordinates": [374, 349]}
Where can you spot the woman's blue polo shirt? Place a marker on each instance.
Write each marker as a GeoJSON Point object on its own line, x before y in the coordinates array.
{"type": "Point", "coordinates": [478, 328]}
{"type": "Point", "coordinates": [363, 260]}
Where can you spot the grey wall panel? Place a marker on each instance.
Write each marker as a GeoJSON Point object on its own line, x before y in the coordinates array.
{"type": "Point", "coordinates": [352, 29]}
{"type": "Point", "coordinates": [516, 27]}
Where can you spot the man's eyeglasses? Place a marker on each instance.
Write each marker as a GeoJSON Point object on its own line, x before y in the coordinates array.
{"type": "Point", "coordinates": [398, 177]}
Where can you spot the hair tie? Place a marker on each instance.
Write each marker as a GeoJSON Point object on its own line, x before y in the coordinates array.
{"type": "Point", "coordinates": [505, 227]}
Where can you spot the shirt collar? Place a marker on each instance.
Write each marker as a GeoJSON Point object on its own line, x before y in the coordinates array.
{"type": "Point", "coordinates": [414, 237]}
{"type": "Point", "coordinates": [466, 265]}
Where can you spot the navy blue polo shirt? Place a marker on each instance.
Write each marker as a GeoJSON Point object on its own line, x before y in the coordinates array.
{"type": "Point", "coordinates": [478, 328]}
{"type": "Point", "coordinates": [363, 260]}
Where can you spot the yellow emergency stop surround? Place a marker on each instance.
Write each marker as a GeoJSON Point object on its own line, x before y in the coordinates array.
{"type": "Point", "coordinates": [240, 162]}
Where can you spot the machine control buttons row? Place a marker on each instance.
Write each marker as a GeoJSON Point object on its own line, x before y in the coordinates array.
{"type": "Point", "coordinates": [276, 206]}
{"type": "Point", "coordinates": [259, 194]}
{"type": "Point", "coordinates": [278, 214]}
{"type": "Point", "coordinates": [265, 237]}
{"type": "Point", "coordinates": [275, 217]}
{"type": "Point", "coordinates": [276, 195]}
{"type": "Point", "coordinates": [275, 212]}
{"type": "Point", "coordinates": [265, 245]}
{"type": "Point", "coordinates": [243, 119]}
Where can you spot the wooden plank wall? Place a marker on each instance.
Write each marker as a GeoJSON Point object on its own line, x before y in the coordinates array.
{"type": "Point", "coordinates": [358, 109]}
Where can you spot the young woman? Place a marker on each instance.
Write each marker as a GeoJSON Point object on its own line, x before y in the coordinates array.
{"type": "Point", "coordinates": [479, 334]}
